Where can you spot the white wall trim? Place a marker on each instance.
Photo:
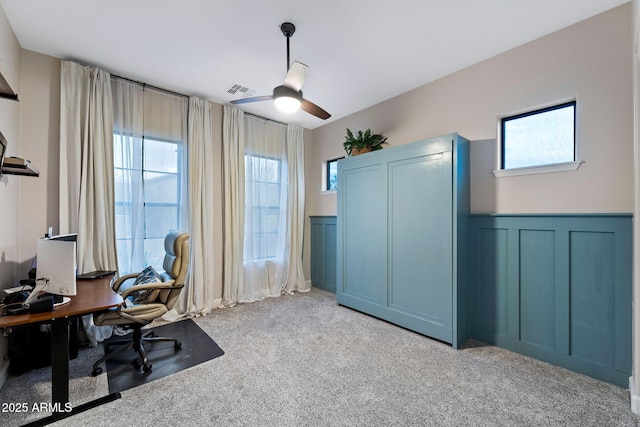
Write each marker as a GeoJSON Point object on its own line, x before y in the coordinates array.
{"type": "Point", "coordinates": [635, 399]}
{"type": "Point", "coordinates": [635, 340]}
{"type": "Point", "coordinates": [530, 170]}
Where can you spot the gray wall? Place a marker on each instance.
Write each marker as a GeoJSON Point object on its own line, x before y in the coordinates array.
{"type": "Point", "coordinates": [10, 186]}
{"type": "Point", "coordinates": [589, 61]}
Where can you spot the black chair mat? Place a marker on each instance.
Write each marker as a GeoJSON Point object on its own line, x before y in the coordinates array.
{"type": "Point", "coordinates": [197, 347]}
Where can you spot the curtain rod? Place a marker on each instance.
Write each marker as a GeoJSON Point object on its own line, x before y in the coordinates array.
{"type": "Point", "coordinates": [187, 96]}
{"type": "Point", "coordinates": [151, 86]}
{"type": "Point", "coordinates": [131, 80]}
{"type": "Point", "coordinates": [265, 119]}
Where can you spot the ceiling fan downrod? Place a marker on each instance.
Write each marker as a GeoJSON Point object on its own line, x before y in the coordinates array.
{"type": "Point", "coordinates": [288, 29]}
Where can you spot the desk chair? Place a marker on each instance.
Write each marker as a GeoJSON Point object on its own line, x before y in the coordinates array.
{"type": "Point", "coordinates": [159, 299]}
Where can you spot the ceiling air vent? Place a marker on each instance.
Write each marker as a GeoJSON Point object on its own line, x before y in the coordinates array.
{"type": "Point", "coordinates": [240, 90]}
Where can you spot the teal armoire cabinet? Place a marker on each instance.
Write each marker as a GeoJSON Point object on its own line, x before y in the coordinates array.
{"type": "Point", "coordinates": [402, 235]}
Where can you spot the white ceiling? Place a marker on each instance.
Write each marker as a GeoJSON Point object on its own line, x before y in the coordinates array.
{"type": "Point", "coordinates": [359, 52]}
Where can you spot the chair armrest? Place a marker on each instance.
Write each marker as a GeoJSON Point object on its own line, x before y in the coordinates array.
{"type": "Point", "coordinates": [122, 312]}
{"type": "Point", "coordinates": [120, 280]}
{"type": "Point", "coordinates": [129, 317]}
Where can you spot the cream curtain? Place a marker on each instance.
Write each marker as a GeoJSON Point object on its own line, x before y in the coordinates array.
{"type": "Point", "coordinates": [233, 195]}
{"type": "Point", "coordinates": [128, 121]}
{"type": "Point", "coordinates": [198, 296]}
{"type": "Point", "coordinates": [166, 118]}
{"type": "Point", "coordinates": [295, 280]}
{"type": "Point", "coordinates": [86, 172]}
{"type": "Point", "coordinates": [265, 209]}
{"type": "Point", "coordinates": [263, 168]}
{"type": "Point", "coordinates": [86, 165]}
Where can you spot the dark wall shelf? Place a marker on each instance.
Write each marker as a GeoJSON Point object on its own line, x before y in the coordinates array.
{"type": "Point", "coordinates": [18, 166]}
{"type": "Point", "coordinates": [6, 91]}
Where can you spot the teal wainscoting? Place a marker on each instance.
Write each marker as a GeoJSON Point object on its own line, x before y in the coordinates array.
{"type": "Point", "coordinates": [323, 252]}
{"type": "Point", "coordinates": [556, 288]}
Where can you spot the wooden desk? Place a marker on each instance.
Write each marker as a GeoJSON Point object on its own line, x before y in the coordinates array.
{"type": "Point", "coordinates": [92, 296]}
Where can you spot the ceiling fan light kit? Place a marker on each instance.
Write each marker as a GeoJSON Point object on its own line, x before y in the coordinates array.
{"type": "Point", "coordinates": [288, 97]}
{"type": "Point", "coordinates": [287, 100]}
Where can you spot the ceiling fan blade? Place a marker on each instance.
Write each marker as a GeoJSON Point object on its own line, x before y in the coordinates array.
{"type": "Point", "coordinates": [296, 75]}
{"type": "Point", "coordinates": [254, 99]}
{"type": "Point", "coordinates": [312, 108]}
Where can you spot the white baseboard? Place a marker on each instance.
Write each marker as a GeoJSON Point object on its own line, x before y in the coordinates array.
{"type": "Point", "coordinates": [635, 399]}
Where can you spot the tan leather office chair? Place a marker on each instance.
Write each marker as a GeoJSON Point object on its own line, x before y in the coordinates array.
{"type": "Point", "coordinates": [158, 298]}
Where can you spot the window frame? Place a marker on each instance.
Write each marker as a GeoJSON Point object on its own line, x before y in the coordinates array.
{"type": "Point", "coordinates": [262, 208]}
{"type": "Point", "coordinates": [145, 204]}
{"type": "Point", "coordinates": [503, 141]}
{"type": "Point", "coordinates": [177, 174]}
{"type": "Point", "coordinates": [326, 174]}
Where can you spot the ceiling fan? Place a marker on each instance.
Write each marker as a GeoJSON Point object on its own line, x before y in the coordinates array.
{"type": "Point", "coordinates": [288, 97]}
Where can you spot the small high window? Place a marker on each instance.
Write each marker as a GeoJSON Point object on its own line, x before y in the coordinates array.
{"type": "Point", "coordinates": [540, 137]}
{"type": "Point", "coordinates": [331, 175]}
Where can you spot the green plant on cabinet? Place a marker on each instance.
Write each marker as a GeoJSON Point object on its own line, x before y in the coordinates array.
{"type": "Point", "coordinates": [363, 142]}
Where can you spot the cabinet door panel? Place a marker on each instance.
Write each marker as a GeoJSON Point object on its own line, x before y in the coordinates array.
{"type": "Point", "coordinates": [420, 237]}
{"type": "Point", "coordinates": [364, 244]}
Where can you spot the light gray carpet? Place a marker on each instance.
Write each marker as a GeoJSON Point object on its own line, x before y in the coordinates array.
{"type": "Point", "coordinates": [304, 361]}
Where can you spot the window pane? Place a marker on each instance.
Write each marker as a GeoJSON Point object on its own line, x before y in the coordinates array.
{"type": "Point", "coordinates": [271, 220]}
{"type": "Point", "coordinates": [159, 220]}
{"type": "Point", "coordinates": [154, 252]}
{"type": "Point", "coordinates": [127, 185]}
{"type": "Point", "coordinates": [160, 188]}
{"type": "Point", "coordinates": [539, 138]}
{"type": "Point", "coordinates": [123, 221]}
{"type": "Point", "coordinates": [262, 169]}
{"type": "Point", "coordinates": [332, 175]}
{"type": "Point", "coordinates": [127, 152]}
{"type": "Point", "coordinates": [119, 185]}
{"type": "Point", "coordinates": [118, 153]}
{"type": "Point", "coordinates": [264, 194]}
{"type": "Point", "coordinates": [123, 249]}
{"type": "Point", "coordinates": [160, 156]}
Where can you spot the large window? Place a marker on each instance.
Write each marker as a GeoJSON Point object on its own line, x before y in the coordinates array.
{"type": "Point", "coordinates": [540, 137]}
{"type": "Point", "coordinates": [263, 193]}
{"type": "Point", "coordinates": [146, 196]}
{"type": "Point", "coordinates": [149, 132]}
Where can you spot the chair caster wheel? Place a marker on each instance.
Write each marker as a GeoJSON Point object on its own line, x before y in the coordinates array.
{"type": "Point", "coordinates": [96, 371]}
{"type": "Point", "coordinates": [177, 345]}
{"type": "Point", "coordinates": [147, 368]}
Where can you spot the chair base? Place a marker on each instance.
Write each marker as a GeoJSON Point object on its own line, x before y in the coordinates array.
{"type": "Point", "coordinates": [134, 343]}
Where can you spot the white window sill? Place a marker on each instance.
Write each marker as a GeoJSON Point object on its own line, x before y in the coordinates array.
{"type": "Point", "coordinates": [530, 170]}
{"type": "Point", "coordinates": [328, 192]}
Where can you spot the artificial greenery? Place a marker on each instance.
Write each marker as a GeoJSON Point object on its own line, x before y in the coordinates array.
{"type": "Point", "coordinates": [363, 140]}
